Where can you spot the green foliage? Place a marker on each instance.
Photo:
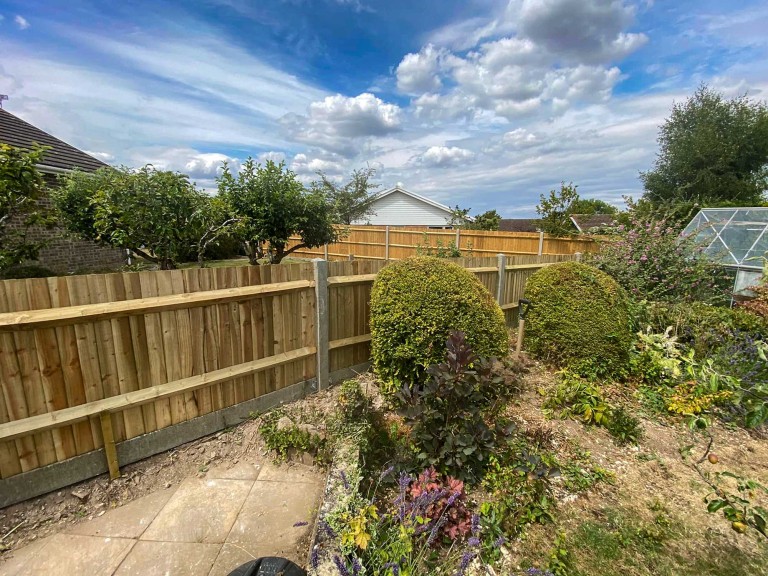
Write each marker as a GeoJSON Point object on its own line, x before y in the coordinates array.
{"type": "Point", "coordinates": [738, 506]}
{"type": "Point", "coordinates": [148, 211]}
{"type": "Point", "coordinates": [657, 358]}
{"type": "Point", "coordinates": [439, 250]}
{"type": "Point", "coordinates": [291, 440]}
{"type": "Point", "coordinates": [415, 304]}
{"type": "Point", "coordinates": [352, 201]}
{"type": "Point", "coordinates": [556, 209]}
{"type": "Point", "coordinates": [520, 491]}
{"type": "Point", "coordinates": [591, 206]}
{"type": "Point", "coordinates": [580, 474]}
{"type": "Point", "coordinates": [579, 318]}
{"type": "Point", "coordinates": [215, 222]}
{"type": "Point", "coordinates": [650, 261]}
{"type": "Point", "coordinates": [712, 151]}
{"type": "Point", "coordinates": [274, 206]}
{"type": "Point", "coordinates": [449, 413]}
{"type": "Point", "coordinates": [488, 220]}
{"type": "Point", "coordinates": [575, 397]}
{"type": "Point", "coordinates": [30, 271]}
{"type": "Point", "coordinates": [21, 186]}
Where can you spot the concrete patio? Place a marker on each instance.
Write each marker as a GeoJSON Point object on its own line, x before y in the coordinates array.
{"type": "Point", "coordinates": [203, 527]}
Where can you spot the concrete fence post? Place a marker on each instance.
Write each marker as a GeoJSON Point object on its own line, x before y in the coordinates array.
{"type": "Point", "coordinates": [458, 238]}
{"type": "Point", "coordinates": [325, 251]}
{"type": "Point", "coordinates": [578, 256]}
{"type": "Point", "coordinates": [541, 243]}
{"type": "Point", "coordinates": [502, 284]}
{"type": "Point", "coordinates": [386, 243]}
{"type": "Point", "coordinates": [321, 322]}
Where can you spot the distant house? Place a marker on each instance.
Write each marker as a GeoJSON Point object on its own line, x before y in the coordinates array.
{"type": "Point", "coordinates": [62, 253]}
{"type": "Point", "coordinates": [593, 222]}
{"type": "Point", "coordinates": [399, 207]}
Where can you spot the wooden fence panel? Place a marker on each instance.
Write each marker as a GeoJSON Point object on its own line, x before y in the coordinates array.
{"type": "Point", "coordinates": [121, 346]}
{"type": "Point", "coordinates": [376, 243]}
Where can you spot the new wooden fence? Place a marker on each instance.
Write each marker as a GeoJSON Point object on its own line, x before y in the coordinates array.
{"type": "Point", "coordinates": [394, 243]}
{"type": "Point", "coordinates": [88, 362]}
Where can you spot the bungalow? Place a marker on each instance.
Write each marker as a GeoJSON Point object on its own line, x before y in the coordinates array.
{"type": "Point", "coordinates": [63, 253]}
{"type": "Point", "coordinates": [399, 207]}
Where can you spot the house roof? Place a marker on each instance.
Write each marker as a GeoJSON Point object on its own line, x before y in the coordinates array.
{"type": "Point", "coordinates": [59, 156]}
{"type": "Point", "coordinates": [413, 195]}
{"type": "Point", "coordinates": [519, 225]}
{"type": "Point", "coordinates": [584, 222]}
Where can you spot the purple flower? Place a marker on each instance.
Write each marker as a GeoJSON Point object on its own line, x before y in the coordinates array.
{"type": "Point", "coordinates": [298, 524]}
{"type": "Point", "coordinates": [314, 558]}
{"type": "Point", "coordinates": [473, 542]}
{"type": "Point", "coordinates": [499, 542]}
{"type": "Point", "coordinates": [466, 559]}
{"type": "Point", "coordinates": [344, 479]}
{"type": "Point", "coordinates": [356, 568]}
{"type": "Point", "coordinates": [386, 472]}
{"type": "Point", "coordinates": [475, 524]}
{"type": "Point", "coordinates": [341, 566]}
{"type": "Point", "coordinates": [394, 566]}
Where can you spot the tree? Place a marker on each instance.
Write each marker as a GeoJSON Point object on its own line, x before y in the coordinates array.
{"type": "Point", "coordinates": [150, 212]}
{"type": "Point", "coordinates": [460, 218]}
{"type": "Point", "coordinates": [712, 151]}
{"type": "Point", "coordinates": [353, 201]}
{"type": "Point", "coordinates": [556, 209]}
{"type": "Point", "coordinates": [214, 220]}
{"type": "Point", "coordinates": [274, 206]}
{"type": "Point", "coordinates": [21, 186]}
{"type": "Point", "coordinates": [591, 206]}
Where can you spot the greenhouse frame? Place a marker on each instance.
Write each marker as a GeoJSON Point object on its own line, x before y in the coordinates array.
{"type": "Point", "coordinates": [733, 237]}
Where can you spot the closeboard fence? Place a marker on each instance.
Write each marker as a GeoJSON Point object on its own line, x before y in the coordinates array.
{"type": "Point", "coordinates": [394, 243]}
{"type": "Point", "coordinates": [89, 363]}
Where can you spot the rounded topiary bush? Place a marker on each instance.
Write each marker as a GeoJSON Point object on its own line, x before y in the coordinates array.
{"type": "Point", "coordinates": [580, 319]}
{"type": "Point", "coordinates": [415, 304]}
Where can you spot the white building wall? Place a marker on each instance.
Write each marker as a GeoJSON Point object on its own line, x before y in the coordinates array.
{"type": "Point", "coordinates": [398, 209]}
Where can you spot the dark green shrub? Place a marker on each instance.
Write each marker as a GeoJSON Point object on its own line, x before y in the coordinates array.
{"type": "Point", "coordinates": [624, 428]}
{"type": "Point", "coordinates": [579, 318]}
{"type": "Point", "coordinates": [449, 414]}
{"type": "Point", "coordinates": [29, 271]}
{"type": "Point", "coordinates": [415, 304]}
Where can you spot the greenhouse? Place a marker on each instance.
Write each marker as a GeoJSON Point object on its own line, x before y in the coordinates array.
{"type": "Point", "coordinates": [734, 237]}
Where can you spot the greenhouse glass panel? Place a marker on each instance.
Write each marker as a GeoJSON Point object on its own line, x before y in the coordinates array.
{"type": "Point", "coordinates": [731, 236]}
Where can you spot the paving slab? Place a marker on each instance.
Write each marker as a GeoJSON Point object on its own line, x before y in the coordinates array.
{"type": "Point", "coordinates": [13, 563]}
{"type": "Point", "coordinates": [169, 559]}
{"type": "Point", "coordinates": [229, 558]}
{"type": "Point", "coordinates": [266, 526]}
{"type": "Point", "coordinates": [75, 555]}
{"type": "Point", "coordinates": [240, 471]}
{"type": "Point", "coordinates": [201, 510]}
{"type": "Point", "coordinates": [289, 473]}
{"type": "Point", "coordinates": [128, 521]}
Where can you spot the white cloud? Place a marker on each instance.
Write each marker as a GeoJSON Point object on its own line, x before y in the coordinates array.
{"type": "Point", "coordinates": [445, 156]}
{"type": "Point", "coordinates": [418, 73]}
{"type": "Point", "coordinates": [337, 123]}
{"type": "Point", "coordinates": [21, 22]}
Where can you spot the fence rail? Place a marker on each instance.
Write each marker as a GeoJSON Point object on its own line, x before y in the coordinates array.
{"type": "Point", "coordinates": [88, 362]}
{"type": "Point", "coordinates": [394, 243]}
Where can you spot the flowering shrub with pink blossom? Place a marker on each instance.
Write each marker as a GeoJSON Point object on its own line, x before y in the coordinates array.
{"type": "Point", "coordinates": [651, 262]}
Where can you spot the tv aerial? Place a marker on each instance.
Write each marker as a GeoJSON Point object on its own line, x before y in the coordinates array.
{"type": "Point", "coordinates": [3, 97]}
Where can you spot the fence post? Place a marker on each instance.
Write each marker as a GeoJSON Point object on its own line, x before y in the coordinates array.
{"type": "Point", "coordinates": [386, 243]}
{"type": "Point", "coordinates": [351, 257]}
{"type": "Point", "coordinates": [321, 322]}
{"type": "Point", "coordinates": [110, 451]}
{"type": "Point", "coordinates": [325, 251]}
{"type": "Point", "coordinates": [578, 256]}
{"type": "Point", "coordinates": [458, 238]}
{"type": "Point", "coordinates": [541, 242]}
{"type": "Point", "coordinates": [502, 284]}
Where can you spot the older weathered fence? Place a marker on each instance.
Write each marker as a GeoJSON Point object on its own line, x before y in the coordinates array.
{"type": "Point", "coordinates": [103, 361]}
{"type": "Point", "coordinates": [394, 243]}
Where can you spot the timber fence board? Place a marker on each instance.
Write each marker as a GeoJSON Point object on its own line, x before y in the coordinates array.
{"type": "Point", "coordinates": [395, 243]}
{"type": "Point", "coordinates": [159, 348]}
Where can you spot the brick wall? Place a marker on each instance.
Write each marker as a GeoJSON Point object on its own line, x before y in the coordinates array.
{"type": "Point", "coordinates": [66, 254]}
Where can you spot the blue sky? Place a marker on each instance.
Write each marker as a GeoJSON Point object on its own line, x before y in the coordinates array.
{"type": "Point", "coordinates": [481, 103]}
